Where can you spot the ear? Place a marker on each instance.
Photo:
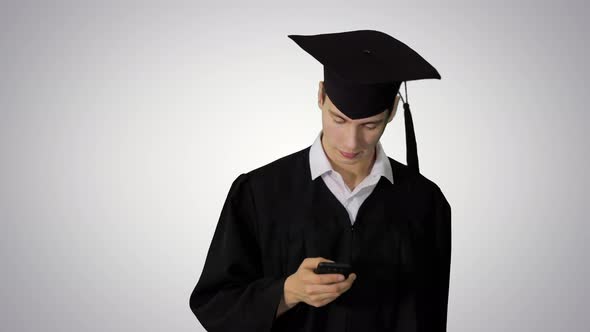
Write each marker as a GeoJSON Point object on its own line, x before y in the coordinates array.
{"type": "Point", "coordinates": [320, 94]}
{"type": "Point", "coordinates": [394, 109]}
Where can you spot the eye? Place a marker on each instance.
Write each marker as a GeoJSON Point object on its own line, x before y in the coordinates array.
{"type": "Point", "coordinates": [338, 120]}
{"type": "Point", "coordinates": [370, 126]}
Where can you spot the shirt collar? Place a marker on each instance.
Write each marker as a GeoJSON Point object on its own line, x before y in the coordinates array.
{"type": "Point", "coordinates": [319, 163]}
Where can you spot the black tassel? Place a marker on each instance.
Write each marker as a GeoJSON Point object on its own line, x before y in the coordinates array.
{"type": "Point", "coordinates": [411, 150]}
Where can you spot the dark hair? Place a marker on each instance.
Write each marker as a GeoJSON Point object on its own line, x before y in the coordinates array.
{"type": "Point", "coordinates": [389, 109]}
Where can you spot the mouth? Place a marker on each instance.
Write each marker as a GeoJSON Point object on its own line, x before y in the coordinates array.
{"type": "Point", "coordinates": [349, 155]}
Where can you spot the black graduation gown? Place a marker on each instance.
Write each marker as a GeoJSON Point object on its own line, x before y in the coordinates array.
{"type": "Point", "coordinates": [276, 216]}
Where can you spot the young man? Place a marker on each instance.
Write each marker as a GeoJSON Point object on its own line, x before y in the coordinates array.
{"type": "Point", "coordinates": [340, 200]}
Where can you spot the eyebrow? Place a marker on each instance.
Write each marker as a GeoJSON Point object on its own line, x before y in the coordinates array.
{"type": "Point", "coordinates": [371, 122]}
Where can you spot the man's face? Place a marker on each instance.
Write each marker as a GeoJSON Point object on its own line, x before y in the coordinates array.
{"type": "Point", "coordinates": [350, 142]}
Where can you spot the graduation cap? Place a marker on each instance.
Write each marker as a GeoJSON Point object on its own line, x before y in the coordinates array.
{"type": "Point", "coordinates": [363, 72]}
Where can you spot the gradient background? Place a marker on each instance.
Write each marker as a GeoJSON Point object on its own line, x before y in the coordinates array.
{"type": "Point", "coordinates": [122, 127]}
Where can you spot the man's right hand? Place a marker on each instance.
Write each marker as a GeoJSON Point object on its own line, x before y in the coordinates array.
{"type": "Point", "coordinates": [314, 289]}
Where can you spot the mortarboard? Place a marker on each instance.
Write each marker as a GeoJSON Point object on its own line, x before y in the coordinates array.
{"type": "Point", "coordinates": [363, 71]}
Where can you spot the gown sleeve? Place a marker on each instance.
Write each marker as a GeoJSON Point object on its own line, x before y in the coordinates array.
{"type": "Point", "coordinates": [424, 300]}
{"type": "Point", "coordinates": [232, 293]}
{"type": "Point", "coordinates": [437, 275]}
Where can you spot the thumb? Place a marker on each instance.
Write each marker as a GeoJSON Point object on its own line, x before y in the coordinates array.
{"type": "Point", "coordinates": [312, 263]}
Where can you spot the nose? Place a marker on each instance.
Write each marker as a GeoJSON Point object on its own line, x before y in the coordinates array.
{"type": "Point", "coordinates": [351, 141]}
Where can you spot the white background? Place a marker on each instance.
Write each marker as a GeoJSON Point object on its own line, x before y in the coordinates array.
{"type": "Point", "coordinates": [122, 127]}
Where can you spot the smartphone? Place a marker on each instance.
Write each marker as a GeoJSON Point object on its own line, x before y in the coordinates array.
{"type": "Point", "coordinates": [327, 268]}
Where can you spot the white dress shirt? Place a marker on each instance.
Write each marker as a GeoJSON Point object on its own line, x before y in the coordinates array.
{"type": "Point", "coordinates": [351, 200]}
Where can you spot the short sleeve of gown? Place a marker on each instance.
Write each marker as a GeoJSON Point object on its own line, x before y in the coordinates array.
{"type": "Point", "coordinates": [232, 293]}
{"type": "Point", "coordinates": [423, 307]}
{"type": "Point", "coordinates": [435, 296]}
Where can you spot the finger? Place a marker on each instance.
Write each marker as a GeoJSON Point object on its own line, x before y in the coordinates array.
{"type": "Point", "coordinates": [309, 277]}
{"type": "Point", "coordinates": [349, 281]}
{"type": "Point", "coordinates": [326, 279]}
{"type": "Point", "coordinates": [330, 278]}
{"type": "Point", "coordinates": [312, 262]}
{"type": "Point", "coordinates": [335, 289]}
{"type": "Point", "coordinates": [321, 279]}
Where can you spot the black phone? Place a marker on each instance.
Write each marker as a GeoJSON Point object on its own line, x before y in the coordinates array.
{"type": "Point", "coordinates": [327, 268]}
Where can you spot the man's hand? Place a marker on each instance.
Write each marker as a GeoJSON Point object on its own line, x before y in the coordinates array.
{"type": "Point", "coordinates": [314, 289]}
